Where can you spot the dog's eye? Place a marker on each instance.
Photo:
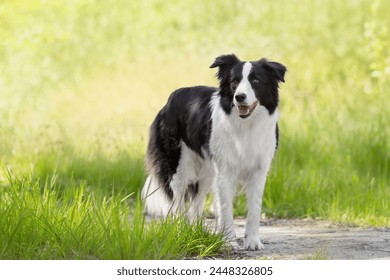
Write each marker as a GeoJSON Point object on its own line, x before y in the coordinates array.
{"type": "Point", "coordinates": [256, 81]}
{"type": "Point", "coordinates": [234, 84]}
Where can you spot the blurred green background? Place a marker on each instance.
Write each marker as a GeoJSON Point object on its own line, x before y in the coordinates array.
{"type": "Point", "coordinates": [81, 80]}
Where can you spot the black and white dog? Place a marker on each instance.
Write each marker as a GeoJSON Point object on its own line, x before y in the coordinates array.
{"type": "Point", "coordinates": [215, 138]}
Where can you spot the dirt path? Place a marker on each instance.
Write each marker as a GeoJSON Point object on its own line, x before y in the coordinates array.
{"type": "Point", "coordinates": [300, 239]}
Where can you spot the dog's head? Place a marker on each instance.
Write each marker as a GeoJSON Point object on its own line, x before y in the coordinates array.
{"type": "Point", "coordinates": [246, 86]}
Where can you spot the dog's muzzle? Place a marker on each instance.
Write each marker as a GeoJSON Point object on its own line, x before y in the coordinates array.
{"type": "Point", "coordinates": [245, 110]}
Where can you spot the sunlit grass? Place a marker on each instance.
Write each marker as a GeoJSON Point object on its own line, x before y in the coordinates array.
{"type": "Point", "coordinates": [46, 220]}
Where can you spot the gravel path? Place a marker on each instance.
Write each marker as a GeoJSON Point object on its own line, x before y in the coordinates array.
{"type": "Point", "coordinates": [302, 239]}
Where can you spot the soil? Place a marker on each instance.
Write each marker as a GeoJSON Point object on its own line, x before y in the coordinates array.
{"type": "Point", "coordinates": [310, 239]}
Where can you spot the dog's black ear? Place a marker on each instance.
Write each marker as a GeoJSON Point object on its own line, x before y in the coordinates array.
{"type": "Point", "coordinates": [225, 60]}
{"type": "Point", "coordinates": [225, 63]}
{"type": "Point", "coordinates": [277, 69]}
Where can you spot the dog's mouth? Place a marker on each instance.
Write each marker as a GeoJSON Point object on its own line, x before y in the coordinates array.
{"type": "Point", "coordinates": [245, 111]}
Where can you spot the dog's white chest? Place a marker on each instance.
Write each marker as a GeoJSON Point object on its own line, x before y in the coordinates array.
{"type": "Point", "coordinates": [243, 146]}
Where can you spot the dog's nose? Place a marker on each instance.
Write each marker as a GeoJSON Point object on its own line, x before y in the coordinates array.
{"type": "Point", "coordinates": [240, 97]}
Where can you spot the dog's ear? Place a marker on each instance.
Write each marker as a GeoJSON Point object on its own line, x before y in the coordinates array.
{"type": "Point", "coordinates": [278, 70]}
{"type": "Point", "coordinates": [225, 63]}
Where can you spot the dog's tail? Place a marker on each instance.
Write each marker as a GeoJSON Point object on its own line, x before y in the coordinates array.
{"type": "Point", "coordinates": [157, 203]}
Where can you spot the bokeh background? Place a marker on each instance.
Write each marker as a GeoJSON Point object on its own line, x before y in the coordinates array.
{"type": "Point", "coordinates": [81, 81]}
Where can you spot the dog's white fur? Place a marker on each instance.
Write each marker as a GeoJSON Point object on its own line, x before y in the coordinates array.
{"type": "Point", "coordinates": [243, 152]}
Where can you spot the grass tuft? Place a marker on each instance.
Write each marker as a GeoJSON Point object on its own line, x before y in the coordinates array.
{"type": "Point", "coordinates": [41, 220]}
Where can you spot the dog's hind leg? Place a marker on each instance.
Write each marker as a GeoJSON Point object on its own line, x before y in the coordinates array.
{"type": "Point", "coordinates": [185, 175]}
{"type": "Point", "coordinates": [202, 187]}
{"type": "Point", "coordinates": [178, 201]}
{"type": "Point", "coordinates": [198, 191]}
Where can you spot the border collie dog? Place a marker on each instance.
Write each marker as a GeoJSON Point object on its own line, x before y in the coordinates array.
{"type": "Point", "coordinates": [215, 138]}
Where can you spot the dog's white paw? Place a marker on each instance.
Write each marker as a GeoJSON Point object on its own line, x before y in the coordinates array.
{"type": "Point", "coordinates": [253, 243]}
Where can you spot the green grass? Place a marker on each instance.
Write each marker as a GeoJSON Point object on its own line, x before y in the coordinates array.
{"type": "Point", "coordinates": [73, 130]}
{"type": "Point", "coordinates": [320, 254]}
{"type": "Point", "coordinates": [42, 220]}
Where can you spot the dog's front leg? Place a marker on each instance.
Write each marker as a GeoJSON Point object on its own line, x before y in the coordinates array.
{"type": "Point", "coordinates": [254, 188]}
{"type": "Point", "coordinates": [225, 187]}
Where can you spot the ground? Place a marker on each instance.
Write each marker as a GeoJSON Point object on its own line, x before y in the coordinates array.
{"type": "Point", "coordinates": [310, 239]}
